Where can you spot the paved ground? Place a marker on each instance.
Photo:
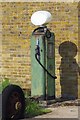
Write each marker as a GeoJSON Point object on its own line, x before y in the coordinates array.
{"type": "Point", "coordinates": [59, 110]}
{"type": "Point", "coordinates": [62, 112]}
{"type": "Point", "coordinates": [66, 109]}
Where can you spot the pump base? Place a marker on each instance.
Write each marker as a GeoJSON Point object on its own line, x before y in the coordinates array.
{"type": "Point", "coordinates": [50, 97]}
{"type": "Point", "coordinates": [41, 98]}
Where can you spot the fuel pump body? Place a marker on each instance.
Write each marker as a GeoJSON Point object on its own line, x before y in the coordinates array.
{"type": "Point", "coordinates": [42, 84]}
{"type": "Point", "coordinates": [37, 72]}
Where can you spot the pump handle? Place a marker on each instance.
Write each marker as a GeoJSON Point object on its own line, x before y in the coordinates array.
{"type": "Point", "coordinates": [43, 29]}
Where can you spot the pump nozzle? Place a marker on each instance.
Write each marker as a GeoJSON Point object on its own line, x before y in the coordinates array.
{"type": "Point", "coordinates": [37, 49]}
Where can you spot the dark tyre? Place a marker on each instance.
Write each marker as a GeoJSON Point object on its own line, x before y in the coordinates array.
{"type": "Point", "coordinates": [13, 103]}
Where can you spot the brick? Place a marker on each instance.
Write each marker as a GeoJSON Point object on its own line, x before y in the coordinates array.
{"type": "Point", "coordinates": [17, 29]}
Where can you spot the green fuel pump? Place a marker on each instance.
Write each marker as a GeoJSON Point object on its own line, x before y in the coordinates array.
{"type": "Point", "coordinates": [43, 63]}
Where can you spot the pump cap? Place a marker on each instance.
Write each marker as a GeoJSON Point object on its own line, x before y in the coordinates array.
{"type": "Point", "coordinates": [41, 17]}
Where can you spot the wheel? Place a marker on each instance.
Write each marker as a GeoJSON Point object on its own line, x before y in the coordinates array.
{"type": "Point", "coordinates": [13, 103]}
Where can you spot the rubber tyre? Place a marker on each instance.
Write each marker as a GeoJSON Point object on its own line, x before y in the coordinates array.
{"type": "Point", "coordinates": [11, 95]}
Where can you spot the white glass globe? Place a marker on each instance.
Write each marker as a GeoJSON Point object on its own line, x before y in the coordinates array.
{"type": "Point", "coordinates": [41, 17]}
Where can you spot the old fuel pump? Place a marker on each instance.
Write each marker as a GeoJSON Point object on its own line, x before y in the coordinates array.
{"type": "Point", "coordinates": [42, 58]}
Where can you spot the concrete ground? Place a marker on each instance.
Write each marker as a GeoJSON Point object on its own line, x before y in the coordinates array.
{"type": "Point", "coordinates": [69, 109]}
{"type": "Point", "coordinates": [63, 109]}
{"type": "Point", "coordinates": [61, 112]}
{"type": "Point", "coordinates": [66, 109]}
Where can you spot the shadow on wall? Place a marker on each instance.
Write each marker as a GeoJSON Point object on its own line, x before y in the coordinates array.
{"type": "Point", "coordinates": [79, 31]}
{"type": "Point", "coordinates": [79, 46]}
{"type": "Point", "coordinates": [69, 70]}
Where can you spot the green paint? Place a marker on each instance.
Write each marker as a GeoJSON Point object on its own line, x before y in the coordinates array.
{"type": "Point", "coordinates": [37, 72]}
{"type": "Point", "coordinates": [50, 65]}
{"type": "Point", "coordinates": [41, 82]}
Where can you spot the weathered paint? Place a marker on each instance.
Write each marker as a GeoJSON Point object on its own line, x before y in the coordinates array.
{"type": "Point", "coordinates": [42, 83]}
{"type": "Point", "coordinates": [50, 65]}
{"type": "Point", "coordinates": [37, 72]}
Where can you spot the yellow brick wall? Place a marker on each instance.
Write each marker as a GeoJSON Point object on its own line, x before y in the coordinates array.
{"type": "Point", "coordinates": [16, 31]}
{"type": "Point", "coordinates": [0, 40]}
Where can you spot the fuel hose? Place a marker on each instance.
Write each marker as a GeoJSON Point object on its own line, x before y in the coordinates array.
{"type": "Point", "coordinates": [44, 67]}
{"type": "Point", "coordinates": [37, 50]}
